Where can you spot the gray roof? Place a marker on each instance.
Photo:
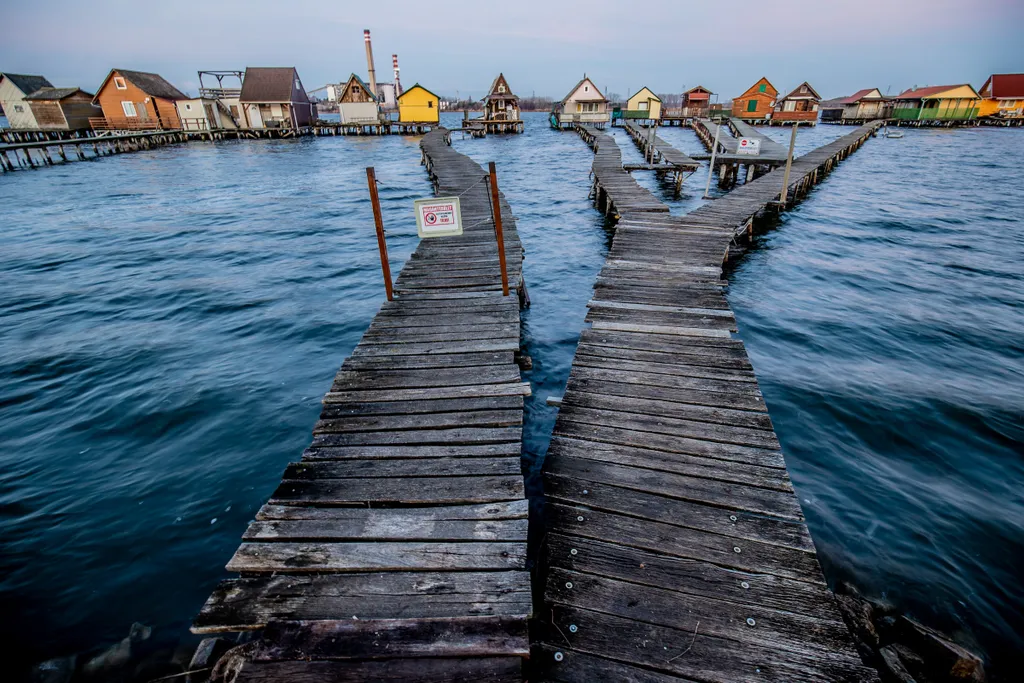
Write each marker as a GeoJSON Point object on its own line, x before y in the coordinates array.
{"type": "Point", "coordinates": [55, 93]}
{"type": "Point", "coordinates": [153, 85]}
{"type": "Point", "coordinates": [271, 84]}
{"type": "Point", "coordinates": [28, 84]}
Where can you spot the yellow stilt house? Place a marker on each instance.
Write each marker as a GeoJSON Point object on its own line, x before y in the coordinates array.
{"type": "Point", "coordinates": [643, 105]}
{"type": "Point", "coordinates": [1003, 97]}
{"type": "Point", "coordinates": [418, 105]}
{"type": "Point", "coordinates": [937, 103]}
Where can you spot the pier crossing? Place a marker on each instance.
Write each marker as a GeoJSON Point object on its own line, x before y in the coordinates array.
{"type": "Point", "coordinates": [395, 549]}
{"type": "Point", "coordinates": [728, 159]}
{"type": "Point", "coordinates": [676, 549]}
{"type": "Point", "coordinates": [664, 157]}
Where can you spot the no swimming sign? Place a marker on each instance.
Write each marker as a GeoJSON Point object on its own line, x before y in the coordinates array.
{"type": "Point", "coordinates": [438, 217]}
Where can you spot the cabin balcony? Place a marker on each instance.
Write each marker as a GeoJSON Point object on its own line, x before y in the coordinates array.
{"type": "Point", "coordinates": [801, 116]}
{"type": "Point", "coordinates": [128, 123]}
{"type": "Point", "coordinates": [935, 113]}
{"type": "Point", "coordinates": [585, 117]}
{"type": "Point", "coordinates": [691, 112]}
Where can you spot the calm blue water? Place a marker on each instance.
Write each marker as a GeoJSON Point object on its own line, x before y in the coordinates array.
{"type": "Point", "coordinates": [170, 320]}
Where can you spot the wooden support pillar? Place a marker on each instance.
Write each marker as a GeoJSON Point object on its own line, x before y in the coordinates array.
{"type": "Point", "coordinates": [378, 220]}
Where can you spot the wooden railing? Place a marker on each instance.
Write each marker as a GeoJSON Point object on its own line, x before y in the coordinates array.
{"type": "Point", "coordinates": [132, 123]}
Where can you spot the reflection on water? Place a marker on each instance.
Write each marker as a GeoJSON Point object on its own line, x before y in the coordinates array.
{"type": "Point", "coordinates": [171, 319]}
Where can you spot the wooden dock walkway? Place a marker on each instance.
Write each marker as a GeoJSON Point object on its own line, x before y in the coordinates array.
{"type": "Point", "coordinates": [676, 549]}
{"type": "Point", "coordinates": [772, 153]}
{"type": "Point", "coordinates": [395, 549]}
{"type": "Point", "coordinates": [663, 152]}
{"type": "Point", "coordinates": [614, 190]}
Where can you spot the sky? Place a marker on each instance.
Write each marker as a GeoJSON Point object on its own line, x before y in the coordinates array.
{"type": "Point", "coordinates": [457, 47]}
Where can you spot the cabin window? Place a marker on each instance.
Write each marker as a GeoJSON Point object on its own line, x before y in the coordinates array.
{"type": "Point", "coordinates": [501, 88]}
{"type": "Point", "coordinates": [643, 106]}
{"type": "Point", "coordinates": [430, 104]}
{"type": "Point", "coordinates": [762, 88]}
{"type": "Point", "coordinates": [129, 108]}
{"type": "Point", "coordinates": [752, 105]}
{"type": "Point", "coordinates": [298, 86]}
{"type": "Point", "coordinates": [188, 107]}
{"type": "Point", "coordinates": [119, 83]}
{"type": "Point", "coordinates": [803, 88]}
{"type": "Point", "coordinates": [18, 108]}
{"type": "Point", "coordinates": [586, 88]}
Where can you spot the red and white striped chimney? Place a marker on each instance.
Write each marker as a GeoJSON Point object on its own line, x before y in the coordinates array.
{"type": "Point", "coordinates": [398, 82]}
{"type": "Point", "coordinates": [369, 62]}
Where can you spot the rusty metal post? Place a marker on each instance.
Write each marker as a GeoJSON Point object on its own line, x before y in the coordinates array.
{"type": "Point", "coordinates": [378, 219]}
{"type": "Point", "coordinates": [498, 234]}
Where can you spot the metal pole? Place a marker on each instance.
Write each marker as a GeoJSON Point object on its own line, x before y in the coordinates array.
{"type": "Point", "coordinates": [498, 234]}
{"type": "Point", "coordinates": [789, 163]}
{"type": "Point", "coordinates": [378, 219]}
{"type": "Point", "coordinates": [714, 153]}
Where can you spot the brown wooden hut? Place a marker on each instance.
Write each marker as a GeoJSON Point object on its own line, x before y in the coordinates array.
{"type": "Point", "coordinates": [756, 103]}
{"type": "Point", "coordinates": [273, 97]}
{"type": "Point", "coordinates": [137, 100]}
{"type": "Point", "coordinates": [799, 106]}
{"type": "Point", "coordinates": [68, 109]}
{"type": "Point", "coordinates": [501, 108]}
{"type": "Point", "coordinates": [696, 102]}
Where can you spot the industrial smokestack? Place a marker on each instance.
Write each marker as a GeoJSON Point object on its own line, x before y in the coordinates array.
{"type": "Point", "coordinates": [398, 82]}
{"type": "Point", "coordinates": [369, 62]}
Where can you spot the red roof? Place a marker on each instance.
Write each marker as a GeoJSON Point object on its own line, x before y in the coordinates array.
{"type": "Point", "coordinates": [921, 93]}
{"type": "Point", "coordinates": [858, 96]}
{"type": "Point", "coordinates": [1005, 85]}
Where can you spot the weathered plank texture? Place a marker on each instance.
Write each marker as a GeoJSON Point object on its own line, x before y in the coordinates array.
{"type": "Point", "coordinates": [676, 547]}
{"type": "Point", "coordinates": [396, 548]}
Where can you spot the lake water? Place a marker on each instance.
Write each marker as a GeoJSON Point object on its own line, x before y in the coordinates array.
{"type": "Point", "coordinates": [171, 318]}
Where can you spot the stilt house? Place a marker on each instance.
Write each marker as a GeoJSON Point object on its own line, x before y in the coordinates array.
{"type": "Point", "coordinates": [67, 109]}
{"type": "Point", "coordinates": [937, 103]}
{"type": "Point", "coordinates": [799, 106]}
{"type": "Point", "coordinates": [1003, 97]}
{"type": "Point", "coordinates": [418, 105]}
{"type": "Point", "coordinates": [696, 102]}
{"type": "Point", "coordinates": [583, 104]}
{"type": "Point", "coordinates": [137, 100]}
{"type": "Point", "coordinates": [756, 103]}
{"type": "Point", "coordinates": [644, 104]}
{"type": "Point", "coordinates": [14, 88]}
{"type": "Point", "coordinates": [864, 105]}
{"type": "Point", "coordinates": [273, 97]}
{"type": "Point", "coordinates": [356, 104]}
{"type": "Point", "coordinates": [501, 104]}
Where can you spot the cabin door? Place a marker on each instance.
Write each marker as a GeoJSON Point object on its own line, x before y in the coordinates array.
{"type": "Point", "coordinates": [143, 111]}
{"type": "Point", "coordinates": [255, 120]}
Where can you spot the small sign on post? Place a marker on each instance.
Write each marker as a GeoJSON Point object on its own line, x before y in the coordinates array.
{"type": "Point", "coordinates": [751, 146]}
{"type": "Point", "coordinates": [438, 217]}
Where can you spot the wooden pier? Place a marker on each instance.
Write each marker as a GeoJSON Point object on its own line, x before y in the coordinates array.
{"type": "Point", "coordinates": [664, 157]}
{"type": "Point", "coordinates": [726, 155]}
{"type": "Point", "coordinates": [396, 548]}
{"type": "Point", "coordinates": [26, 155]}
{"type": "Point", "coordinates": [614, 190]}
{"type": "Point", "coordinates": [676, 549]}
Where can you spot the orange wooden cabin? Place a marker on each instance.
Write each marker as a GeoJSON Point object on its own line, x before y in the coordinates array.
{"type": "Point", "coordinates": [799, 106]}
{"type": "Point", "coordinates": [136, 100]}
{"type": "Point", "coordinates": [757, 103]}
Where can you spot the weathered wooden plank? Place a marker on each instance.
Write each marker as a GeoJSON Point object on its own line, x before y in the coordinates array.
{"type": "Point", "coordinates": [375, 468]}
{"type": "Point", "coordinates": [423, 670]}
{"type": "Point", "coordinates": [508, 510]}
{"type": "Point", "coordinates": [400, 490]}
{"type": "Point", "coordinates": [425, 437]}
{"type": "Point", "coordinates": [358, 639]}
{"type": "Point", "coordinates": [472, 390]}
{"type": "Point", "coordinates": [250, 603]}
{"type": "Point", "coordinates": [377, 556]}
{"type": "Point", "coordinates": [338, 410]}
{"type": "Point", "coordinates": [469, 418]}
{"type": "Point", "coordinates": [323, 451]}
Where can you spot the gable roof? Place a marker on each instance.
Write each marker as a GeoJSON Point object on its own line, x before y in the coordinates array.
{"type": "Point", "coordinates": [55, 93]}
{"type": "Point", "coordinates": [797, 95]}
{"type": "Point", "coordinates": [655, 97]}
{"type": "Point", "coordinates": [1005, 85]}
{"type": "Point", "coordinates": [493, 92]}
{"type": "Point", "coordinates": [696, 88]}
{"type": "Point", "coordinates": [354, 79]}
{"type": "Point", "coordinates": [753, 88]}
{"type": "Point", "coordinates": [153, 85]}
{"type": "Point", "coordinates": [27, 84]}
{"type": "Point", "coordinates": [414, 86]}
{"type": "Point", "coordinates": [861, 95]}
{"type": "Point", "coordinates": [271, 84]}
{"type": "Point", "coordinates": [929, 91]}
{"type": "Point", "coordinates": [576, 87]}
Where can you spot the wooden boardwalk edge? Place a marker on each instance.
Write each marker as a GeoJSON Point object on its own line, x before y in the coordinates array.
{"type": "Point", "coordinates": [676, 549]}
{"type": "Point", "coordinates": [395, 549]}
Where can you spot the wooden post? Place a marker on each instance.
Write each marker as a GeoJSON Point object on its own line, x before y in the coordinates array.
{"type": "Point", "coordinates": [789, 163]}
{"type": "Point", "coordinates": [378, 220]}
{"type": "Point", "coordinates": [714, 153]}
{"type": "Point", "coordinates": [498, 234]}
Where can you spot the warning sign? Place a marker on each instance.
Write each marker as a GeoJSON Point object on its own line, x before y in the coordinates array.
{"type": "Point", "coordinates": [438, 217]}
{"type": "Point", "coordinates": [750, 146]}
